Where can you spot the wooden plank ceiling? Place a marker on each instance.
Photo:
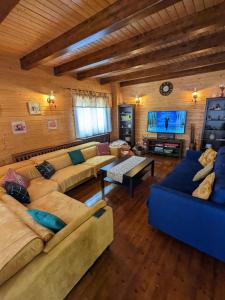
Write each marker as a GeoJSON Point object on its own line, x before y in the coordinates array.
{"type": "Point", "coordinates": [126, 41]}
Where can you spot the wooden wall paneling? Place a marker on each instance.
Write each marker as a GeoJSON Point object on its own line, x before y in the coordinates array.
{"type": "Point", "coordinates": [207, 85]}
{"type": "Point", "coordinates": [17, 87]}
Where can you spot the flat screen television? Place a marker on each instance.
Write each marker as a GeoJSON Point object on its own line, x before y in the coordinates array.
{"type": "Point", "coordinates": [167, 121]}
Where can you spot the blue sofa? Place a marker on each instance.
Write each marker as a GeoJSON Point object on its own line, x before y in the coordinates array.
{"type": "Point", "coordinates": [173, 210]}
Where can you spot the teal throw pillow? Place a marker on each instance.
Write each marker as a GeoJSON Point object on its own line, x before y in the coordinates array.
{"type": "Point", "coordinates": [76, 157]}
{"type": "Point", "coordinates": [46, 219]}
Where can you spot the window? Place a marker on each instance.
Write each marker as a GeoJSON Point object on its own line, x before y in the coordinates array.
{"type": "Point", "coordinates": [92, 114]}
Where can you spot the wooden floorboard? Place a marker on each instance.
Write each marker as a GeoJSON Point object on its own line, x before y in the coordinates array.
{"type": "Point", "coordinates": [143, 263]}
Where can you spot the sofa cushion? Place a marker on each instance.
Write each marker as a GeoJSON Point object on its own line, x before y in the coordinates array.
{"type": "Point", "coordinates": [15, 166]}
{"type": "Point", "coordinates": [207, 157]}
{"type": "Point", "coordinates": [60, 162]}
{"type": "Point", "coordinates": [40, 158]}
{"type": "Point", "coordinates": [18, 192]}
{"type": "Point", "coordinates": [47, 219]}
{"type": "Point", "coordinates": [220, 162]}
{"type": "Point", "coordinates": [61, 205]}
{"type": "Point", "coordinates": [82, 215]}
{"type": "Point", "coordinates": [31, 172]}
{"type": "Point", "coordinates": [71, 211]}
{"type": "Point", "coordinates": [82, 146]}
{"type": "Point", "coordinates": [181, 177]}
{"type": "Point", "coordinates": [89, 152]}
{"type": "Point", "coordinates": [69, 177]}
{"type": "Point", "coordinates": [204, 190]}
{"type": "Point", "coordinates": [18, 244]}
{"type": "Point", "coordinates": [40, 187]}
{"type": "Point", "coordinates": [99, 161]}
{"type": "Point", "coordinates": [218, 194]}
{"type": "Point", "coordinates": [46, 169]}
{"type": "Point", "coordinates": [204, 172]}
{"type": "Point", "coordinates": [20, 211]}
{"type": "Point", "coordinates": [76, 157]}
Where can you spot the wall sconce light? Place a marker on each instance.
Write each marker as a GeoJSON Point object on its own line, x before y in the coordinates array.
{"type": "Point", "coordinates": [195, 96]}
{"type": "Point", "coordinates": [51, 99]}
{"type": "Point", "coordinates": [138, 100]}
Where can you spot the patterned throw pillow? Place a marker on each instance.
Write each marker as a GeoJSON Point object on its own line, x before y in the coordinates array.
{"type": "Point", "coordinates": [13, 176]}
{"type": "Point", "coordinates": [18, 192]}
{"type": "Point", "coordinates": [204, 190]}
{"type": "Point", "coordinates": [46, 169]}
{"type": "Point", "coordinates": [204, 172]}
{"type": "Point", "coordinates": [46, 219]}
{"type": "Point", "coordinates": [207, 157]}
{"type": "Point", "coordinates": [103, 149]}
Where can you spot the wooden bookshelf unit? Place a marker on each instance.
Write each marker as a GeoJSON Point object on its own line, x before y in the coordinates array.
{"type": "Point", "coordinates": [166, 147]}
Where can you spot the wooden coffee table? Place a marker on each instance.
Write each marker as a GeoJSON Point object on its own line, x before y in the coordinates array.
{"type": "Point", "coordinates": [130, 178]}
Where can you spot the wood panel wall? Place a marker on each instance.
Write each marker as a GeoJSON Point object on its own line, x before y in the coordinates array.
{"type": "Point", "coordinates": [17, 87]}
{"type": "Point", "coordinates": [180, 99]}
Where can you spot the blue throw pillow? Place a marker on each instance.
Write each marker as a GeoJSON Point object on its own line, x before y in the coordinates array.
{"type": "Point", "coordinates": [46, 219]}
{"type": "Point", "coordinates": [76, 157]}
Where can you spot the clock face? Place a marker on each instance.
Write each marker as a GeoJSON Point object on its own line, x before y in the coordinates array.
{"type": "Point", "coordinates": [166, 88]}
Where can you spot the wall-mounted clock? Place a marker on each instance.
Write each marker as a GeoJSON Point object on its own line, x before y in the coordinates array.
{"type": "Point", "coordinates": [166, 88]}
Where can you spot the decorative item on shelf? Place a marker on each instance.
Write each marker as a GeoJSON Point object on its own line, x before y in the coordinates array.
{"type": "Point", "coordinates": [222, 87]}
{"type": "Point", "coordinates": [192, 145]}
{"type": "Point", "coordinates": [34, 108]}
{"type": "Point", "coordinates": [51, 100]}
{"type": "Point", "coordinates": [137, 100]}
{"type": "Point", "coordinates": [195, 96]}
{"type": "Point", "coordinates": [166, 88]}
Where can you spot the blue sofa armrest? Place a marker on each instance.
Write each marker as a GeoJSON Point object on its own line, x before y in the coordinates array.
{"type": "Point", "coordinates": [196, 222]}
{"type": "Point", "coordinates": [193, 155]}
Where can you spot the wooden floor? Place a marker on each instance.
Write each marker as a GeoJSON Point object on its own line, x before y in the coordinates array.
{"type": "Point", "coordinates": [143, 263]}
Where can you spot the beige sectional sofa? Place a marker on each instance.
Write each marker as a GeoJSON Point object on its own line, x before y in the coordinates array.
{"type": "Point", "coordinates": [35, 263]}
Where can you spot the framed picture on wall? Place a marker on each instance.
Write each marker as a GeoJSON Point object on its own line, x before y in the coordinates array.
{"type": "Point", "coordinates": [19, 127]}
{"type": "Point", "coordinates": [34, 108]}
{"type": "Point", "coordinates": [52, 124]}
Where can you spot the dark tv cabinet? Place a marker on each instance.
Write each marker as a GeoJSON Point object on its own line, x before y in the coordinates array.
{"type": "Point", "coordinates": [213, 132]}
{"type": "Point", "coordinates": [127, 123]}
{"type": "Point", "coordinates": [166, 147]}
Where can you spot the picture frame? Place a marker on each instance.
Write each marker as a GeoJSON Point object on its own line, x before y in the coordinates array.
{"type": "Point", "coordinates": [19, 127]}
{"type": "Point", "coordinates": [34, 108]}
{"type": "Point", "coordinates": [52, 124]}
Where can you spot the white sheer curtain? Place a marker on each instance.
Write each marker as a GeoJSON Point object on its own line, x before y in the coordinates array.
{"type": "Point", "coordinates": [92, 113]}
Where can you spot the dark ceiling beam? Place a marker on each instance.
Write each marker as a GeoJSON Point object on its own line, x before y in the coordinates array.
{"type": "Point", "coordinates": [168, 68]}
{"type": "Point", "coordinates": [110, 19]}
{"type": "Point", "coordinates": [5, 8]}
{"type": "Point", "coordinates": [178, 74]}
{"type": "Point", "coordinates": [197, 44]}
{"type": "Point", "coordinates": [164, 34]}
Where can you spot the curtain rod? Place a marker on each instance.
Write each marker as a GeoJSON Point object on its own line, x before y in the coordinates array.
{"type": "Point", "coordinates": [80, 90]}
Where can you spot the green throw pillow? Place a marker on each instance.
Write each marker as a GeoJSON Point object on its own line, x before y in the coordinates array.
{"type": "Point", "coordinates": [76, 157]}
{"type": "Point", "coordinates": [203, 172]}
{"type": "Point", "coordinates": [46, 219]}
